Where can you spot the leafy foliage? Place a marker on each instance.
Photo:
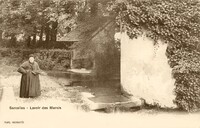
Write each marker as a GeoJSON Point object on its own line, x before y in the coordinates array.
{"type": "Point", "coordinates": [46, 19]}
{"type": "Point", "coordinates": [55, 59]}
{"type": "Point", "coordinates": [188, 91]}
{"type": "Point", "coordinates": [32, 18]}
{"type": "Point", "coordinates": [176, 22]}
{"type": "Point", "coordinates": [186, 71]}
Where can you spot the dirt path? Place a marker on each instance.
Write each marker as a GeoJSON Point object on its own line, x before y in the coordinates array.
{"type": "Point", "coordinates": [54, 108]}
{"type": "Point", "coordinates": [53, 97]}
{"type": "Point", "coordinates": [7, 98]}
{"type": "Point", "coordinates": [50, 89]}
{"type": "Point", "coordinates": [18, 112]}
{"type": "Point", "coordinates": [29, 113]}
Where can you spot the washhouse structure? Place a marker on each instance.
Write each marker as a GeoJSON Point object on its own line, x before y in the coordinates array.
{"type": "Point", "coordinates": [145, 72]}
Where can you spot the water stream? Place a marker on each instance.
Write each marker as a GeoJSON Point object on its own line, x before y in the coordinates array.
{"type": "Point", "coordinates": [98, 88]}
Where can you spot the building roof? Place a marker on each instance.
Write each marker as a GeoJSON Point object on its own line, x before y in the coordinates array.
{"type": "Point", "coordinates": [86, 29]}
{"type": "Point", "coordinates": [85, 32]}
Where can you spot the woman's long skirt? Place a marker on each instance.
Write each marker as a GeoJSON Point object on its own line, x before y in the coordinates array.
{"type": "Point", "coordinates": [30, 86]}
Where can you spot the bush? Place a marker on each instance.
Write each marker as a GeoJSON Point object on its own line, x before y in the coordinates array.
{"type": "Point", "coordinates": [186, 71]}
{"type": "Point", "coordinates": [188, 91]}
{"type": "Point", "coordinates": [53, 59]}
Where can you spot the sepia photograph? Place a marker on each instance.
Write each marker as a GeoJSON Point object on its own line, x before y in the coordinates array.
{"type": "Point", "coordinates": [99, 63]}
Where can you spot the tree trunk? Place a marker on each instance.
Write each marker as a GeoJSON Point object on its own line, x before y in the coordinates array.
{"type": "Point", "coordinates": [41, 34]}
{"type": "Point", "coordinates": [47, 31]}
{"type": "Point", "coordinates": [13, 40]}
{"type": "Point", "coordinates": [34, 37]}
{"type": "Point", "coordinates": [94, 8]}
{"type": "Point", "coordinates": [1, 33]}
{"type": "Point", "coordinates": [29, 41]}
{"type": "Point", "coordinates": [54, 31]}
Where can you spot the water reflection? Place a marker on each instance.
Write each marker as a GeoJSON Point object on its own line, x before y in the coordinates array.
{"type": "Point", "coordinates": [98, 87]}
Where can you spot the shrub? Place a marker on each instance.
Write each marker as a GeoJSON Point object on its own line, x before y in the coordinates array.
{"type": "Point", "coordinates": [188, 91]}
{"type": "Point", "coordinates": [186, 71]}
{"type": "Point", "coordinates": [53, 59]}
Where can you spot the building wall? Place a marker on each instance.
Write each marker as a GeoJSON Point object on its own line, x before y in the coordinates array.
{"type": "Point", "coordinates": [145, 72]}
{"type": "Point", "coordinates": [99, 48]}
{"type": "Point", "coordinates": [106, 55]}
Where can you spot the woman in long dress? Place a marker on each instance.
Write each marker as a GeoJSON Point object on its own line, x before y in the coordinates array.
{"type": "Point", "coordinates": [30, 83]}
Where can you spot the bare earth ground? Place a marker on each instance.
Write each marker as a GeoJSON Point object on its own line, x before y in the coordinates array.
{"type": "Point", "coordinates": [66, 112]}
{"type": "Point", "coordinates": [9, 77]}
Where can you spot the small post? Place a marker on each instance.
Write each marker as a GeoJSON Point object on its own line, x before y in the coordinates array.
{"type": "Point", "coordinates": [71, 59]}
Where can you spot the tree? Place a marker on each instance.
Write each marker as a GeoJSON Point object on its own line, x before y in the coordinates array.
{"type": "Point", "coordinates": [36, 17]}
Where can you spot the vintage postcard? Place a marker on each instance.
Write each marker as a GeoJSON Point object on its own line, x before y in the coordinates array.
{"type": "Point", "coordinates": [99, 63]}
